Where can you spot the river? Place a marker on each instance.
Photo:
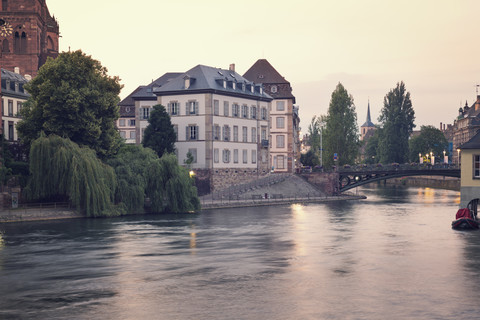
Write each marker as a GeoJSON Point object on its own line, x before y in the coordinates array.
{"type": "Point", "coordinates": [391, 256]}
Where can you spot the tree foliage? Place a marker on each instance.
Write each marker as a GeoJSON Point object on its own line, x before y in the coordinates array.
{"type": "Point", "coordinates": [73, 97]}
{"type": "Point", "coordinates": [60, 167]}
{"type": "Point", "coordinates": [430, 139]}
{"type": "Point", "coordinates": [341, 131]}
{"type": "Point", "coordinates": [170, 187]}
{"type": "Point", "coordinates": [159, 134]}
{"type": "Point", "coordinates": [396, 118]}
{"type": "Point", "coordinates": [371, 148]}
{"type": "Point", "coordinates": [309, 159]}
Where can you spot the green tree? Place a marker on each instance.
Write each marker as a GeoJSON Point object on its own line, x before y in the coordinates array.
{"type": "Point", "coordinates": [61, 169]}
{"type": "Point", "coordinates": [309, 159]}
{"type": "Point", "coordinates": [73, 97]}
{"type": "Point", "coordinates": [159, 134]}
{"type": "Point", "coordinates": [429, 140]}
{"type": "Point", "coordinates": [396, 119]}
{"type": "Point", "coordinates": [371, 148]}
{"type": "Point", "coordinates": [341, 131]}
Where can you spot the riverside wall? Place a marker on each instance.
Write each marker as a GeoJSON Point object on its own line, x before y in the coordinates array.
{"type": "Point", "coordinates": [448, 183]}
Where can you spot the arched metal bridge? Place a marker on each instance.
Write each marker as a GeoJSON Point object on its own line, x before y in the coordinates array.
{"type": "Point", "coordinates": [351, 178]}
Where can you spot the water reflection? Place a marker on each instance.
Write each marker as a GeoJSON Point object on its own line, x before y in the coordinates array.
{"type": "Point", "coordinates": [392, 255]}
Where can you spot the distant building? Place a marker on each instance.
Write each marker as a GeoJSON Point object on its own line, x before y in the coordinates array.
{"type": "Point", "coordinates": [368, 128]}
{"type": "Point", "coordinates": [222, 119]}
{"type": "Point", "coordinates": [285, 121]}
{"type": "Point", "coordinates": [28, 36]}
{"type": "Point", "coordinates": [13, 96]}
{"type": "Point", "coordinates": [466, 126]}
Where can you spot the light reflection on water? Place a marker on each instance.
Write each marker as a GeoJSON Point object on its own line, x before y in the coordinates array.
{"type": "Point", "coordinates": [391, 256]}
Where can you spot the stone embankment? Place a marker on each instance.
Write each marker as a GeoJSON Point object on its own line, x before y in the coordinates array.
{"type": "Point", "coordinates": [289, 189]}
{"type": "Point", "coordinates": [448, 183]}
{"type": "Point", "coordinates": [38, 213]}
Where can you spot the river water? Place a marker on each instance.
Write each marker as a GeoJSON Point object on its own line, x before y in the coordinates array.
{"type": "Point", "coordinates": [392, 256]}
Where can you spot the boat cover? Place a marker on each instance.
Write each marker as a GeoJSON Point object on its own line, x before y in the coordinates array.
{"type": "Point", "coordinates": [463, 213]}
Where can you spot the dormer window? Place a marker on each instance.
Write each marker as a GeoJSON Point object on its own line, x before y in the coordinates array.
{"type": "Point", "coordinates": [234, 85]}
{"type": "Point", "coordinates": [187, 82]}
{"type": "Point", "coordinates": [224, 84]}
{"type": "Point", "coordinates": [274, 89]}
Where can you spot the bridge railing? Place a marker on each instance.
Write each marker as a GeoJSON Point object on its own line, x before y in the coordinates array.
{"type": "Point", "coordinates": [397, 167]}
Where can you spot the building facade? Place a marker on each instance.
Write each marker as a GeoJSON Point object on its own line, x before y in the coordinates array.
{"type": "Point", "coordinates": [13, 96]}
{"type": "Point", "coordinates": [28, 36]}
{"type": "Point", "coordinates": [221, 119]}
{"type": "Point", "coordinates": [466, 126]}
{"type": "Point", "coordinates": [470, 170]}
{"type": "Point", "coordinates": [284, 119]}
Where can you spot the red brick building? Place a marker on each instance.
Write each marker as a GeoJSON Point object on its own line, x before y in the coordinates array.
{"type": "Point", "coordinates": [28, 35]}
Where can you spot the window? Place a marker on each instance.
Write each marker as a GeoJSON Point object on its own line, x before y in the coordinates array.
{"type": "Point", "coordinates": [235, 133]}
{"type": "Point", "coordinates": [280, 105]}
{"type": "Point", "coordinates": [244, 134]}
{"type": "Point", "coordinates": [226, 133]}
{"type": "Point", "coordinates": [216, 132]}
{"type": "Point", "coordinates": [280, 122]}
{"type": "Point", "coordinates": [145, 113]}
{"type": "Point", "coordinates": [132, 122]}
{"type": "Point", "coordinates": [225, 108]}
{"type": "Point", "coordinates": [280, 162]}
{"type": "Point", "coordinates": [280, 141]}
{"type": "Point", "coordinates": [226, 156]}
{"type": "Point", "coordinates": [193, 152]}
{"type": "Point", "coordinates": [274, 89]}
{"type": "Point", "coordinates": [235, 156]}
{"type": "Point", "coordinates": [192, 107]}
{"type": "Point", "coordinates": [192, 132]}
{"type": "Point", "coordinates": [19, 107]}
{"type": "Point", "coordinates": [4, 5]}
{"type": "Point", "coordinates": [254, 156]}
{"type": "Point", "coordinates": [254, 135]}
{"type": "Point", "coordinates": [10, 130]}
{"type": "Point", "coordinates": [5, 46]}
{"type": "Point", "coordinates": [216, 107]}
{"type": "Point", "coordinates": [253, 112]}
{"type": "Point", "coordinates": [235, 110]}
{"type": "Point", "coordinates": [122, 134]}
{"type": "Point", "coordinates": [215, 155]}
{"type": "Point", "coordinates": [121, 122]}
{"type": "Point", "coordinates": [245, 111]}
{"type": "Point", "coordinates": [10, 108]}
{"type": "Point", "coordinates": [245, 156]}
{"type": "Point", "coordinates": [132, 135]}
{"type": "Point", "coordinates": [175, 129]}
{"type": "Point", "coordinates": [264, 113]}
{"type": "Point", "coordinates": [264, 134]}
{"type": "Point", "coordinates": [173, 108]}
{"type": "Point", "coordinates": [476, 166]}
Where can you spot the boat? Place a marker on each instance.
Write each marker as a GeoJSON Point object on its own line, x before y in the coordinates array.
{"type": "Point", "coordinates": [466, 218]}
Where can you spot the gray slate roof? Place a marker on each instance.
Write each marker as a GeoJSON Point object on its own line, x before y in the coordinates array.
{"type": "Point", "coordinates": [210, 79]}
{"type": "Point", "coordinates": [473, 143]}
{"type": "Point", "coordinates": [12, 78]}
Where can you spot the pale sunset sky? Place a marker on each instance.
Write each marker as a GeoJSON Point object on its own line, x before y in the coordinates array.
{"type": "Point", "coordinates": [367, 45]}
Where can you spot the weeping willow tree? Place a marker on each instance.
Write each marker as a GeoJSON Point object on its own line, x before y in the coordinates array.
{"type": "Point", "coordinates": [131, 167]}
{"type": "Point", "coordinates": [170, 187]}
{"type": "Point", "coordinates": [59, 167]}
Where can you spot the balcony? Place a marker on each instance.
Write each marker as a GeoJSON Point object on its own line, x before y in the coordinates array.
{"type": "Point", "coordinates": [265, 143]}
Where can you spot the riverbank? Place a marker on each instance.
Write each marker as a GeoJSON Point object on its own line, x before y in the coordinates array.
{"type": "Point", "coordinates": [447, 183]}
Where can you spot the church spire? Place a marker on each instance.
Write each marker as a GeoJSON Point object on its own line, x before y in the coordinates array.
{"type": "Point", "coordinates": [368, 113]}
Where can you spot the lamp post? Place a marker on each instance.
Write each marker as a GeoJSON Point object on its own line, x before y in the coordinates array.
{"type": "Point", "coordinates": [420, 158]}
{"type": "Point", "coordinates": [432, 160]}
{"type": "Point", "coordinates": [458, 156]}
{"type": "Point", "coordinates": [445, 162]}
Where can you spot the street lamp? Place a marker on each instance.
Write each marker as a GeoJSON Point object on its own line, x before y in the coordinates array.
{"type": "Point", "coordinates": [420, 158]}
{"type": "Point", "coordinates": [444, 156]}
{"type": "Point", "coordinates": [432, 161]}
{"type": "Point", "coordinates": [458, 156]}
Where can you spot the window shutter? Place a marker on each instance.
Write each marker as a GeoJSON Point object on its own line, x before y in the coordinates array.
{"type": "Point", "coordinates": [197, 133]}
{"type": "Point", "coordinates": [187, 137]}
{"type": "Point", "coordinates": [186, 108]}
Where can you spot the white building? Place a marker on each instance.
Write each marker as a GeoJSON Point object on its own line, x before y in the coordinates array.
{"type": "Point", "coordinates": [221, 118]}
{"type": "Point", "coordinates": [13, 96]}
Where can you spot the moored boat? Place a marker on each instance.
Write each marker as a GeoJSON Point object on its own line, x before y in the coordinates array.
{"type": "Point", "coordinates": [466, 218]}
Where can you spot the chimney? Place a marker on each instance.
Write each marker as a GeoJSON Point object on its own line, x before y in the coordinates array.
{"type": "Point", "coordinates": [232, 67]}
{"type": "Point", "coordinates": [441, 126]}
{"type": "Point", "coordinates": [16, 70]}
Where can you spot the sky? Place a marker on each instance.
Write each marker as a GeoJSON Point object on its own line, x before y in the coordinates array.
{"type": "Point", "coordinates": [368, 46]}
